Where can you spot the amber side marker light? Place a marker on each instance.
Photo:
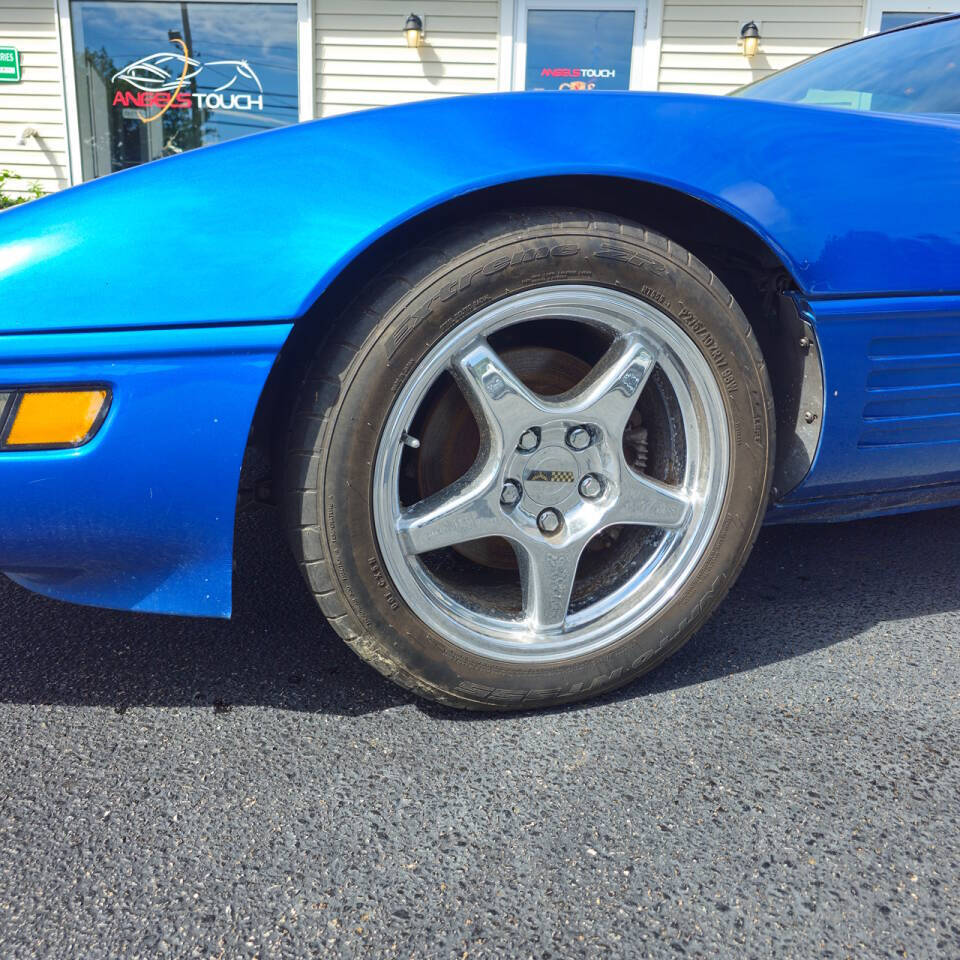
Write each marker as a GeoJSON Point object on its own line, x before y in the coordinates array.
{"type": "Point", "coordinates": [51, 419]}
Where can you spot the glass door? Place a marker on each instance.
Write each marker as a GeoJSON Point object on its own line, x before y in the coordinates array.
{"type": "Point", "coordinates": [578, 46]}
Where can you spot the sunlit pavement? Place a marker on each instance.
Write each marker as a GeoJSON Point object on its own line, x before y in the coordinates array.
{"type": "Point", "coordinates": [787, 784]}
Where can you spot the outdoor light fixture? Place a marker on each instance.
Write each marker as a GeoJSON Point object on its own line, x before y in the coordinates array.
{"type": "Point", "coordinates": [25, 134]}
{"type": "Point", "coordinates": [750, 38]}
{"type": "Point", "coordinates": [413, 30]}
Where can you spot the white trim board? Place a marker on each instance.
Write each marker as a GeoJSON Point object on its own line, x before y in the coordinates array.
{"type": "Point", "coordinates": [306, 61]}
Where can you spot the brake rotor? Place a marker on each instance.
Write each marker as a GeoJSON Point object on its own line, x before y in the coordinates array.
{"type": "Point", "coordinates": [450, 440]}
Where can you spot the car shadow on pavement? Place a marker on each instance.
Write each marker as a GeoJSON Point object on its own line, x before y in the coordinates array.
{"type": "Point", "coordinates": [804, 588]}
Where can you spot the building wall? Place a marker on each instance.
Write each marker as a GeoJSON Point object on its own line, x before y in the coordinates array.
{"type": "Point", "coordinates": [699, 52]}
{"type": "Point", "coordinates": [31, 27]}
{"type": "Point", "coordinates": [363, 60]}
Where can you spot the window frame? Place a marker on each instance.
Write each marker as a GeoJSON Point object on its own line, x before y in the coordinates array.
{"type": "Point", "coordinates": [306, 69]}
{"type": "Point", "coordinates": [645, 48]}
{"type": "Point", "coordinates": [875, 9]}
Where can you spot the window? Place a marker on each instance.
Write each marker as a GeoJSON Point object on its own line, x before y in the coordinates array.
{"type": "Point", "coordinates": [884, 15]}
{"type": "Point", "coordinates": [579, 49]}
{"type": "Point", "coordinates": [154, 79]}
{"type": "Point", "coordinates": [916, 70]}
{"type": "Point", "coordinates": [890, 20]}
{"type": "Point", "coordinates": [571, 45]}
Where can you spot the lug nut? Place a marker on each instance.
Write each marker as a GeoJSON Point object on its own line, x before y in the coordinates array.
{"type": "Point", "coordinates": [549, 521]}
{"type": "Point", "coordinates": [578, 438]}
{"type": "Point", "coordinates": [529, 440]}
{"type": "Point", "coordinates": [591, 487]}
{"type": "Point", "coordinates": [510, 493]}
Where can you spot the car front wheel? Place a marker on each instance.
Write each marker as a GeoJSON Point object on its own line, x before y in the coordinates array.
{"type": "Point", "coordinates": [531, 459]}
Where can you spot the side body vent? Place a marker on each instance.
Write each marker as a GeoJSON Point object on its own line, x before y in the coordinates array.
{"type": "Point", "coordinates": [913, 391]}
{"type": "Point", "coordinates": [891, 418]}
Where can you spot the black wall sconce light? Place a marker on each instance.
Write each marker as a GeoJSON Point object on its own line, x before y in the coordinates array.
{"type": "Point", "coordinates": [750, 38]}
{"type": "Point", "coordinates": [413, 30]}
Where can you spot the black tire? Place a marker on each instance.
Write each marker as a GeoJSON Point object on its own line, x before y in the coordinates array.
{"type": "Point", "coordinates": [377, 341]}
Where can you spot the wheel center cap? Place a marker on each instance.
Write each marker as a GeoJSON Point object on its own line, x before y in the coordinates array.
{"type": "Point", "coordinates": [551, 475]}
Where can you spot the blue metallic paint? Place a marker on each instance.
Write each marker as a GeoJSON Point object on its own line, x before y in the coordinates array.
{"type": "Point", "coordinates": [825, 188]}
{"type": "Point", "coordinates": [146, 261]}
{"type": "Point", "coordinates": [892, 405]}
{"type": "Point", "coordinates": [141, 518]}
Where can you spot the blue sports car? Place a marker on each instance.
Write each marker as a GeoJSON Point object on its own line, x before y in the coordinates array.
{"type": "Point", "coordinates": [524, 374]}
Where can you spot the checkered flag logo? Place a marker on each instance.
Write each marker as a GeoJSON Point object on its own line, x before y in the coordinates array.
{"type": "Point", "coordinates": [550, 476]}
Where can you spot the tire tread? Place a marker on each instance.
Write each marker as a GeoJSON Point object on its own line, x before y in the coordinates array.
{"type": "Point", "coordinates": [335, 362]}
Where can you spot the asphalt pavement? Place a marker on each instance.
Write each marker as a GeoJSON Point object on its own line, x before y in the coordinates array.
{"type": "Point", "coordinates": [787, 785]}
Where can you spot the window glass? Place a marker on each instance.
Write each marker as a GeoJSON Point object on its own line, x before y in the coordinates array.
{"type": "Point", "coordinates": [579, 49]}
{"type": "Point", "coordinates": [916, 70]}
{"type": "Point", "coordinates": [890, 20]}
{"type": "Point", "coordinates": [155, 79]}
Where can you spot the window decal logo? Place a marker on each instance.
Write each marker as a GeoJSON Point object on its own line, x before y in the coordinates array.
{"type": "Point", "coordinates": [176, 93]}
{"type": "Point", "coordinates": [159, 79]}
{"type": "Point", "coordinates": [151, 73]}
{"type": "Point", "coordinates": [573, 75]}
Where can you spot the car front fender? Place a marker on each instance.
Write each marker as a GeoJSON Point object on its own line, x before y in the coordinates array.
{"type": "Point", "coordinates": [257, 228]}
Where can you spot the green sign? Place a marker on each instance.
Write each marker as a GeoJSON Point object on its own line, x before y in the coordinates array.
{"type": "Point", "coordinates": [9, 65]}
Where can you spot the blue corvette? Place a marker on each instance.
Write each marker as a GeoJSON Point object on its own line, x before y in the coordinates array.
{"type": "Point", "coordinates": [526, 372]}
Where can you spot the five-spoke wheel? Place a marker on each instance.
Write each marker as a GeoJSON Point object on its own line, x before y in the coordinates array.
{"type": "Point", "coordinates": [552, 474]}
{"type": "Point", "coordinates": [530, 458]}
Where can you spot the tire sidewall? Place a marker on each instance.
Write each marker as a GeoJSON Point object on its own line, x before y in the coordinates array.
{"type": "Point", "coordinates": [634, 262]}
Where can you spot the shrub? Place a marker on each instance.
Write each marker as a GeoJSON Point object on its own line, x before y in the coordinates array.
{"type": "Point", "coordinates": [33, 191]}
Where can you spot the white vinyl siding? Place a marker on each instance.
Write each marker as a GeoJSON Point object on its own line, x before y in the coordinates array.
{"type": "Point", "coordinates": [363, 60]}
{"type": "Point", "coordinates": [37, 101]}
{"type": "Point", "coordinates": [699, 51]}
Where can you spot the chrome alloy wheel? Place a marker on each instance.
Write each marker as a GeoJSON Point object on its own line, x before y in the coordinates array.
{"type": "Point", "coordinates": [551, 476]}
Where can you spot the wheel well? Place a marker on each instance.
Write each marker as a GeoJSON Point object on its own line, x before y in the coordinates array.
{"type": "Point", "coordinates": [739, 257]}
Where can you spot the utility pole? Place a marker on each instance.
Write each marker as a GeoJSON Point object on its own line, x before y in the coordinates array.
{"type": "Point", "coordinates": [196, 120]}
